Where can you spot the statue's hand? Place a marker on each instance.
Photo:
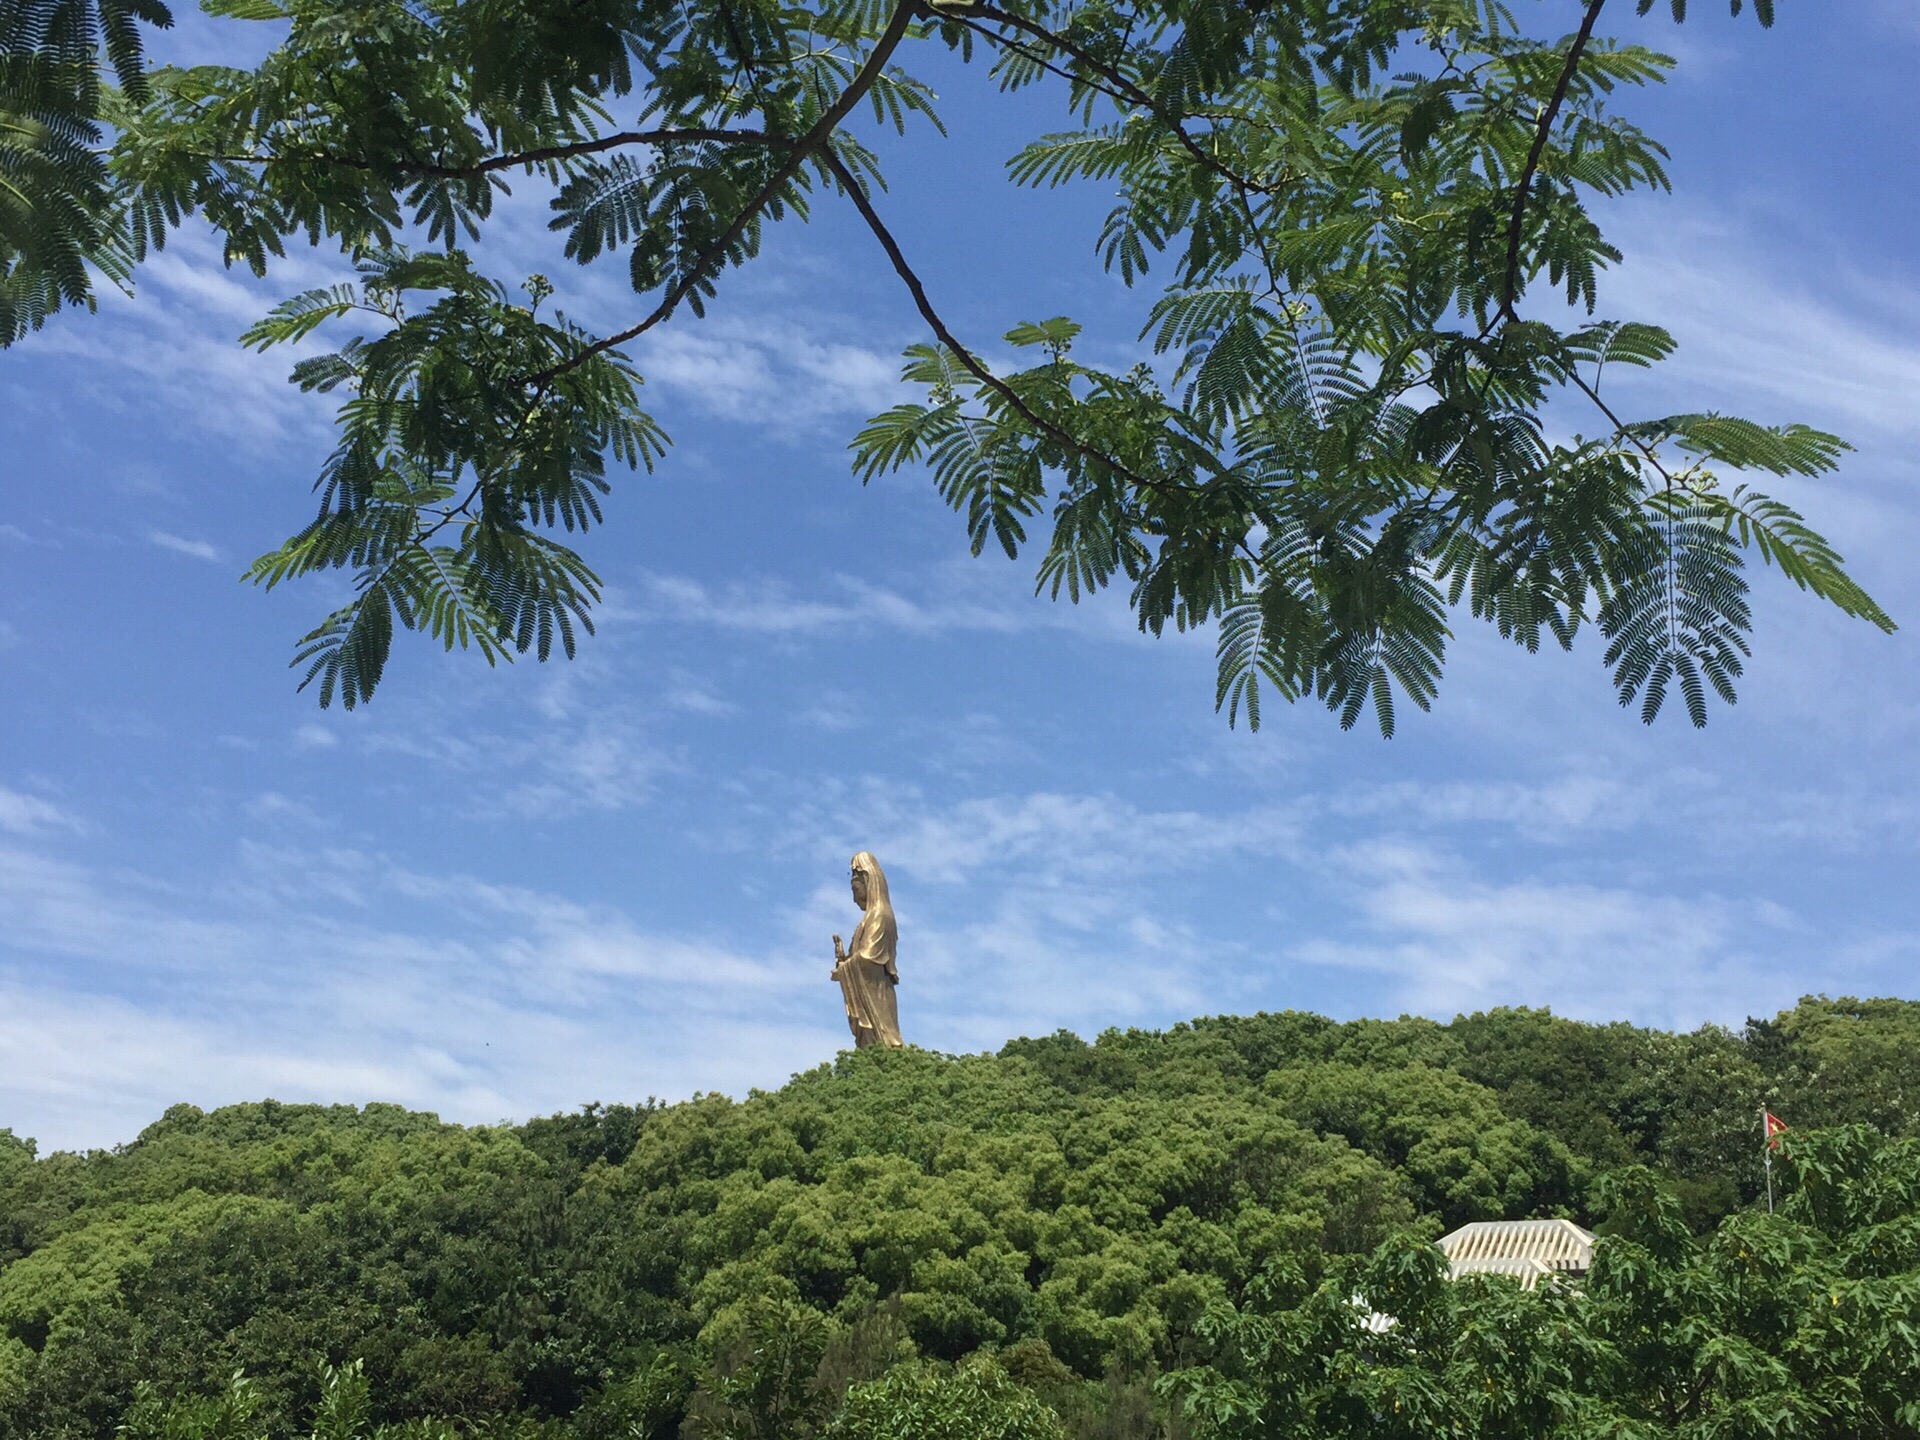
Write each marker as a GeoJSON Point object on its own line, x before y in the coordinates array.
{"type": "Point", "coordinates": [839, 950]}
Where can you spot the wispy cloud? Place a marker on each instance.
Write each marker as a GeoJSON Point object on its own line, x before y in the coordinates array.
{"type": "Point", "coordinates": [774, 375]}
{"type": "Point", "coordinates": [1753, 326]}
{"type": "Point", "coordinates": [605, 764]}
{"type": "Point", "coordinates": [947, 599]}
{"type": "Point", "coordinates": [491, 1001]}
{"type": "Point", "coordinates": [1452, 940]}
{"type": "Point", "coordinates": [28, 814]}
{"type": "Point", "coordinates": [174, 349]}
{"type": "Point", "coordinates": [198, 549]}
{"type": "Point", "coordinates": [1565, 808]}
{"type": "Point", "coordinates": [277, 809]}
{"type": "Point", "coordinates": [1045, 838]}
{"type": "Point", "coordinates": [583, 748]}
{"type": "Point", "coordinates": [691, 698]}
{"type": "Point", "coordinates": [764, 608]}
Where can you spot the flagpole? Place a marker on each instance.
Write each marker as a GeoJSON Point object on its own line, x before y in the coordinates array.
{"type": "Point", "coordinates": [1766, 1142]}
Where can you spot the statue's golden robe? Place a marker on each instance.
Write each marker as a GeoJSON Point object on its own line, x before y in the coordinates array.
{"type": "Point", "coordinates": [868, 975]}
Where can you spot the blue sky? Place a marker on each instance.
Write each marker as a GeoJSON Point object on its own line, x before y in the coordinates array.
{"type": "Point", "coordinates": [501, 893]}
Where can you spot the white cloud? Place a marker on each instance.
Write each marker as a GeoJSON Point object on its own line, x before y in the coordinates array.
{"type": "Point", "coordinates": [198, 549]}
{"type": "Point", "coordinates": [835, 714]}
{"type": "Point", "coordinates": [112, 724]}
{"type": "Point", "coordinates": [947, 599]}
{"type": "Point", "coordinates": [1566, 808]}
{"type": "Point", "coordinates": [607, 766]}
{"type": "Point", "coordinates": [764, 608]}
{"type": "Point", "coordinates": [173, 350]}
{"type": "Point", "coordinates": [694, 699]}
{"type": "Point", "coordinates": [599, 760]}
{"type": "Point", "coordinates": [272, 807]}
{"type": "Point", "coordinates": [90, 1070]}
{"type": "Point", "coordinates": [1452, 941]}
{"type": "Point", "coordinates": [1050, 839]}
{"type": "Point", "coordinates": [311, 736]}
{"type": "Point", "coordinates": [488, 1001]}
{"type": "Point", "coordinates": [29, 814]}
{"type": "Point", "coordinates": [769, 373]}
{"type": "Point", "coordinates": [53, 908]}
{"type": "Point", "coordinates": [1754, 330]}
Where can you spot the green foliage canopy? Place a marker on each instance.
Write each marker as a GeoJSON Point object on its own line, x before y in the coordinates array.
{"type": "Point", "coordinates": [1359, 217]}
{"type": "Point", "coordinates": [1794, 1324]}
{"type": "Point", "coordinates": [858, 1243]}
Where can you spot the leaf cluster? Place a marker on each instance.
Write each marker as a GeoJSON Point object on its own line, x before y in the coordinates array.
{"type": "Point", "coordinates": [1353, 206]}
{"type": "Point", "coordinates": [474, 426]}
{"type": "Point", "coordinates": [467, 432]}
{"type": "Point", "coordinates": [60, 213]}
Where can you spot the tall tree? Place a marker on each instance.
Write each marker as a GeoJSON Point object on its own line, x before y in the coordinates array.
{"type": "Point", "coordinates": [1360, 217]}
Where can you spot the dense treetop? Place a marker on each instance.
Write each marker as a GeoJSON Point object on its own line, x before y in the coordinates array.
{"type": "Point", "coordinates": [1070, 1221]}
{"type": "Point", "coordinates": [1371, 227]}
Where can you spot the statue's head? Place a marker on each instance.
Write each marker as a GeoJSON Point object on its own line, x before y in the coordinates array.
{"type": "Point", "coordinates": [869, 882]}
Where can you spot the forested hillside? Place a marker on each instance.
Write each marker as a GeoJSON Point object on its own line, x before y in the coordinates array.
{"type": "Point", "coordinates": [1155, 1234]}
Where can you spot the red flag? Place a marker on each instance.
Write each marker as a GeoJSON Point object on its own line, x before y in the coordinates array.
{"type": "Point", "coordinates": [1774, 1126]}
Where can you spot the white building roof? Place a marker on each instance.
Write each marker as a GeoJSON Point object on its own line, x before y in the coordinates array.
{"type": "Point", "coordinates": [1527, 1249]}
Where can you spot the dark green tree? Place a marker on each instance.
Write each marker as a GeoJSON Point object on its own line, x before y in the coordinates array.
{"type": "Point", "coordinates": [1794, 1324]}
{"type": "Point", "coordinates": [1828, 1061]}
{"type": "Point", "coordinates": [1092, 1216]}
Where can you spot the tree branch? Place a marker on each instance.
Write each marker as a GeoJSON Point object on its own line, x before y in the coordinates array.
{"type": "Point", "coordinates": [1620, 426]}
{"type": "Point", "coordinates": [1515, 221]}
{"type": "Point", "coordinates": [968, 360]}
{"type": "Point", "coordinates": [798, 153]}
{"type": "Point", "coordinates": [614, 142]}
{"type": "Point", "coordinates": [542, 156]}
{"type": "Point", "coordinates": [980, 29]}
